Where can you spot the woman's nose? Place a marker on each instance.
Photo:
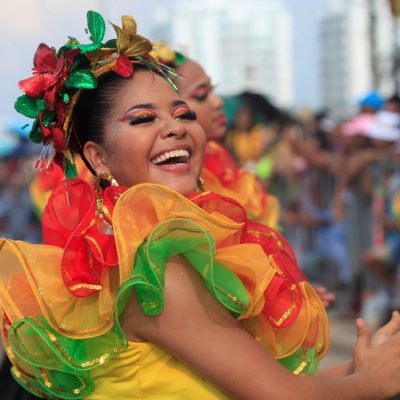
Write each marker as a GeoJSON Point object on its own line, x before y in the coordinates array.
{"type": "Point", "coordinates": [174, 128]}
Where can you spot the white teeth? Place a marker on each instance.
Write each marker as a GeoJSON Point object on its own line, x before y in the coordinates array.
{"type": "Point", "coordinates": [169, 154]}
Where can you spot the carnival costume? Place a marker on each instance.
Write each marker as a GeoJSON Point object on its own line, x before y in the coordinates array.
{"type": "Point", "coordinates": [221, 173]}
{"type": "Point", "coordinates": [62, 300]}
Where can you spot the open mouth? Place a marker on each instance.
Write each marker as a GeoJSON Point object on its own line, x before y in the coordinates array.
{"type": "Point", "coordinates": [172, 157]}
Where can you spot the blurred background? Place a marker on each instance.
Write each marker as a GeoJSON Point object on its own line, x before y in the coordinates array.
{"type": "Point", "coordinates": [311, 92]}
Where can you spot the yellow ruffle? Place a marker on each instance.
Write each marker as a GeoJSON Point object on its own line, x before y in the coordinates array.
{"type": "Point", "coordinates": [31, 282]}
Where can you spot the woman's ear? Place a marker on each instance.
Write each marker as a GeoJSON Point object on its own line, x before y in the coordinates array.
{"type": "Point", "coordinates": [95, 156]}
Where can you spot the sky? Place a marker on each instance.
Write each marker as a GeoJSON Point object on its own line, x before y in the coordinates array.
{"type": "Point", "coordinates": [26, 23]}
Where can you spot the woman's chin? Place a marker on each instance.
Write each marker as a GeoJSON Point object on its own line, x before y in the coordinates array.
{"type": "Point", "coordinates": [182, 185]}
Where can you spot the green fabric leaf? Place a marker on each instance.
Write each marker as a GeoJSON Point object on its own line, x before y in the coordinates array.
{"type": "Point", "coordinates": [80, 62]}
{"type": "Point", "coordinates": [66, 47]}
{"type": "Point", "coordinates": [70, 169]}
{"type": "Point", "coordinates": [85, 48]}
{"type": "Point", "coordinates": [36, 133]}
{"type": "Point", "coordinates": [47, 118]}
{"type": "Point", "coordinates": [179, 59]}
{"type": "Point", "coordinates": [29, 106]}
{"type": "Point", "coordinates": [96, 26]}
{"type": "Point", "coordinates": [112, 43]}
{"type": "Point", "coordinates": [81, 79]}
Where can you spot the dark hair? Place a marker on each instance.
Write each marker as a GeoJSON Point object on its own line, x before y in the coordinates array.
{"type": "Point", "coordinates": [91, 111]}
{"type": "Point", "coordinates": [395, 98]}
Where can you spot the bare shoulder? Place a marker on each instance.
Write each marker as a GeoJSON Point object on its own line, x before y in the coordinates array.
{"type": "Point", "coordinates": [188, 305]}
{"type": "Point", "coordinates": [196, 329]}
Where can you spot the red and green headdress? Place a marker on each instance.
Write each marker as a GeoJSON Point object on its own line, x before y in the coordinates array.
{"type": "Point", "coordinates": [60, 76]}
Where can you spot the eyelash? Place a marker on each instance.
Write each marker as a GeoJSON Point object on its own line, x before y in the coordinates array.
{"type": "Point", "coordinates": [203, 97]}
{"type": "Point", "coordinates": [188, 115]}
{"type": "Point", "coordinates": [143, 119]}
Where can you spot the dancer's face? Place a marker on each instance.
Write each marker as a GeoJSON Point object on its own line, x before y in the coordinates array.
{"type": "Point", "coordinates": [196, 89]}
{"type": "Point", "coordinates": [151, 136]}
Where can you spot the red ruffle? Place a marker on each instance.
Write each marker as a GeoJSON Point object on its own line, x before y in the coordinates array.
{"type": "Point", "coordinates": [70, 221]}
{"type": "Point", "coordinates": [283, 298]}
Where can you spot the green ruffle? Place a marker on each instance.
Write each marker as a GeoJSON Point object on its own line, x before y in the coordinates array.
{"type": "Point", "coordinates": [55, 366]}
{"type": "Point", "coordinates": [59, 367]}
{"type": "Point", "coordinates": [170, 238]}
{"type": "Point", "coordinates": [303, 362]}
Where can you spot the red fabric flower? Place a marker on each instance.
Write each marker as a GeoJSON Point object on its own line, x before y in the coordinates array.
{"type": "Point", "coordinates": [70, 222]}
{"type": "Point", "coordinates": [49, 74]}
{"type": "Point", "coordinates": [123, 66]}
{"type": "Point", "coordinates": [53, 133]}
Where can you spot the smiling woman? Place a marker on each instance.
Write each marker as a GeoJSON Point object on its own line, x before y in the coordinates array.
{"type": "Point", "coordinates": [145, 286]}
{"type": "Point", "coordinates": [150, 133]}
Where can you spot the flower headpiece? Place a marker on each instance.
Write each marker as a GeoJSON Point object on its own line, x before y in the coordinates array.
{"type": "Point", "coordinates": [166, 55]}
{"type": "Point", "coordinates": [59, 77]}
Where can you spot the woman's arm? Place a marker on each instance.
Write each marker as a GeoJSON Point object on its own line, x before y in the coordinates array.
{"type": "Point", "coordinates": [199, 331]}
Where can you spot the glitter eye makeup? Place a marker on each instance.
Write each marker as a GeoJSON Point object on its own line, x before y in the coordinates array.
{"type": "Point", "coordinates": [202, 92]}
{"type": "Point", "coordinates": [139, 117]}
{"type": "Point", "coordinates": [184, 113]}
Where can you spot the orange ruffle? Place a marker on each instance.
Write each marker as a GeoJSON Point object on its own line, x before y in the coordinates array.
{"type": "Point", "coordinates": [73, 280]}
{"type": "Point", "coordinates": [221, 175]}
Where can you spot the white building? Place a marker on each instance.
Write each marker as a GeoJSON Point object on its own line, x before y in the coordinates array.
{"type": "Point", "coordinates": [243, 45]}
{"type": "Point", "coordinates": [356, 52]}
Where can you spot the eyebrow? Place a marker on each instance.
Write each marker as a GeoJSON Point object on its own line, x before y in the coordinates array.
{"type": "Point", "coordinates": [152, 107]}
{"type": "Point", "coordinates": [201, 85]}
{"type": "Point", "coordinates": [144, 105]}
{"type": "Point", "coordinates": [179, 103]}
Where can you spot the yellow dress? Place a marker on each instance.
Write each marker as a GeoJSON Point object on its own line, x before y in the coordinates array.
{"type": "Point", "coordinates": [131, 375]}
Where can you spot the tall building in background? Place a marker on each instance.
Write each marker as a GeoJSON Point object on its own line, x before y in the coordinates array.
{"type": "Point", "coordinates": [356, 47]}
{"type": "Point", "coordinates": [243, 45]}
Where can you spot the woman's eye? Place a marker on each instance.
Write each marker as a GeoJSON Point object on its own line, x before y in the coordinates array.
{"type": "Point", "coordinates": [141, 119]}
{"type": "Point", "coordinates": [188, 115]}
{"type": "Point", "coordinates": [201, 97]}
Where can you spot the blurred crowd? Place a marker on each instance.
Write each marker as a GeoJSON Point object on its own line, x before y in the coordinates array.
{"type": "Point", "coordinates": [18, 219]}
{"type": "Point", "coordinates": [338, 184]}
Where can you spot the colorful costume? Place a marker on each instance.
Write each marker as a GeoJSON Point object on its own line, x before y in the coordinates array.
{"type": "Point", "coordinates": [45, 181]}
{"type": "Point", "coordinates": [221, 175]}
{"type": "Point", "coordinates": [62, 300]}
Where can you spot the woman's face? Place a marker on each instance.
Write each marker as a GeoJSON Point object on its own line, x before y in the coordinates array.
{"type": "Point", "coordinates": [195, 88]}
{"type": "Point", "coordinates": [151, 136]}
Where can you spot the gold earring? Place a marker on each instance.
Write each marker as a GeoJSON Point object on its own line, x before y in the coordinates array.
{"type": "Point", "coordinates": [200, 185]}
{"type": "Point", "coordinates": [97, 185]}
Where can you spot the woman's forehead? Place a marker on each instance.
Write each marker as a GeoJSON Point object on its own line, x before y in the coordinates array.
{"type": "Point", "coordinates": [148, 87]}
{"type": "Point", "coordinates": [191, 75]}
